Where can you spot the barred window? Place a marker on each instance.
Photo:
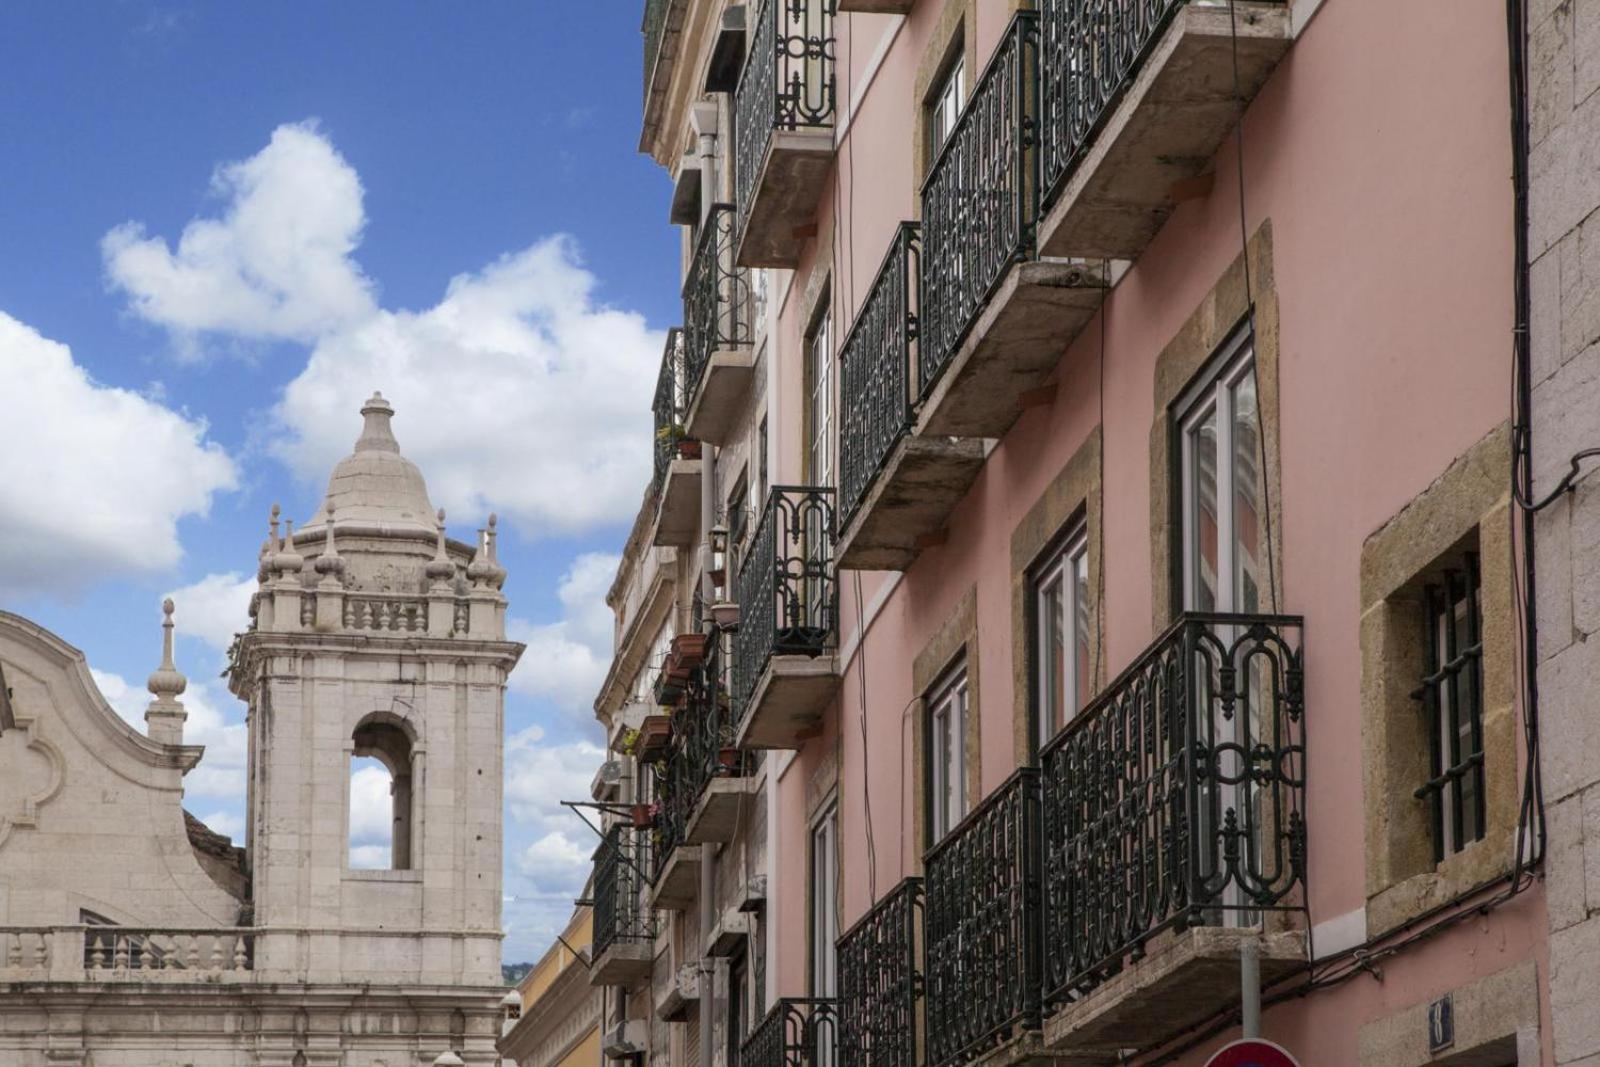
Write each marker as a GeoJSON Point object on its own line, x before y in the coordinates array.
{"type": "Point", "coordinates": [1451, 695]}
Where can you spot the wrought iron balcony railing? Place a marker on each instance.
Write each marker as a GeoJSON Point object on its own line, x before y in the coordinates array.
{"type": "Point", "coordinates": [875, 371]}
{"type": "Point", "coordinates": [980, 199]}
{"type": "Point", "coordinates": [982, 925]}
{"type": "Point", "coordinates": [716, 299]}
{"type": "Point", "coordinates": [1175, 798]}
{"type": "Point", "coordinates": [880, 981]}
{"type": "Point", "coordinates": [619, 912]}
{"type": "Point", "coordinates": [787, 84]}
{"type": "Point", "coordinates": [703, 728]}
{"type": "Point", "coordinates": [797, 1032]}
{"type": "Point", "coordinates": [655, 20]}
{"type": "Point", "coordinates": [788, 594]}
{"type": "Point", "coordinates": [668, 405]}
{"type": "Point", "coordinates": [674, 804]}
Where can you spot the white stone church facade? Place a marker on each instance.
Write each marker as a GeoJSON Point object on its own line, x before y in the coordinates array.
{"type": "Point", "coordinates": [132, 936]}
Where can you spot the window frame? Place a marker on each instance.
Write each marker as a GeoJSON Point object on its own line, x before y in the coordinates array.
{"type": "Point", "coordinates": [819, 421]}
{"type": "Point", "coordinates": [946, 99]}
{"type": "Point", "coordinates": [822, 890]}
{"type": "Point", "coordinates": [945, 751]}
{"type": "Point", "coordinates": [1447, 601]}
{"type": "Point", "coordinates": [1060, 564]}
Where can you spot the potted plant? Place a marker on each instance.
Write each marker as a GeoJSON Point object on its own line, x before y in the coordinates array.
{"type": "Point", "coordinates": [689, 650]}
{"type": "Point", "coordinates": [629, 741]}
{"type": "Point", "coordinates": [671, 683]}
{"type": "Point", "coordinates": [644, 816]}
{"type": "Point", "coordinates": [730, 762]}
{"type": "Point", "coordinates": [688, 448]}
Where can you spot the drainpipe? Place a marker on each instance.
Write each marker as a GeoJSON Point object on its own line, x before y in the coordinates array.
{"type": "Point", "coordinates": [704, 116]}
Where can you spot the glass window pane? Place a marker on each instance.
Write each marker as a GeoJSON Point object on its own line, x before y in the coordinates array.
{"type": "Point", "coordinates": [1245, 492]}
{"type": "Point", "coordinates": [1203, 475]}
{"type": "Point", "coordinates": [1052, 690]}
{"type": "Point", "coordinates": [1083, 671]}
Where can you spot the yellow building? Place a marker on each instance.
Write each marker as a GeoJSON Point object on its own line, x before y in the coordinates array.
{"type": "Point", "coordinates": [559, 1017]}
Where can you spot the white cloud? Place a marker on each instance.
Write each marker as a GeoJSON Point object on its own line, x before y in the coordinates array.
{"type": "Point", "coordinates": [567, 660]}
{"type": "Point", "coordinates": [371, 808]}
{"type": "Point", "coordinates": [539, 776]}
{"type": "Point", "coordinates": [93, 479]}
{"type": "Point", "coordinates": [517, 392]}
{"type": "Point", "coordinates": [227, 822]}
{"type": "Point", "coordinates": [555, 864]}
{"type": "Point", "coordinates": [370, 857]}
{"type": "Point", "coordinates": [221, 771]}
{"type": "Point", "coordinates": [275, 266]}
{"type": "Point", "coordinates": [215, 608]}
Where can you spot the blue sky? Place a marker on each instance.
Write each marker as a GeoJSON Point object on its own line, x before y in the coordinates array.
{"type": "Point", "coordinates": [221, 226]}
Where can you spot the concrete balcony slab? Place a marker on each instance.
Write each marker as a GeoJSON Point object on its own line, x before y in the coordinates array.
{"type": "Point", "coordinates": [714, 410]}
{"type": "Point", "coordinates": [678, 512]}
{"type": "Point", "coordinates": [717, 815]}
{"type": "Point", "coordinates": [783, 199]}
{"type": "Point", "coordinates": [1184, 979]}
{"type": "Point", "coordinates": [785, 708]}
{"type": "Point", "coordinates": [878, 7]}
{"type": "Point", "coordinates": [728, 937]}
{"type": "Point", "coordinates": [910, 501]}
{"type": "Point", "coordinates": [675, 996]}
{"type": "Point", "coordinates": [1014, 346]}
{"type": "Point", "coordinates": [678, 885]}
{"type": "Point", "coordinates": [623, 963]}
{"type": "Point", "coordinates": [1165, 129]}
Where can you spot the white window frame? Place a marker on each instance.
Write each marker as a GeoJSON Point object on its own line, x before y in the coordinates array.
{"type": "Point", "coordinates": [948, 705]}
{"type": "Point", "coordinates": [1064, 569]}
{"type": "Point", "coordinates": [825, 901]}
{"type": "Point", "coordinates": [1214, 394]}
{"type": "Point", "coordinates": [819, 432]}
{"type": "Point", "coordinates": [945, 103]}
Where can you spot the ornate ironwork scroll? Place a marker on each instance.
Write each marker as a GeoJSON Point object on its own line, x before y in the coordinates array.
{"type": "Point", "coordinates": [980, 200]}
{"type": "Point", "coordinates": [797, 1032]}
{"type": "Point", "coordinates": [880, 981]}
{"type": "Point", "coordinates": [982, 919]}
{"type": "Point", "coordinates": [788, 595]}
{"type": "Point", "coordinates": [668, 405]}
{"type": "Point", "coordinates": [716, 299]}
{"type": "Point", "coordinates": [875, 371]}
{"type": "Point", "coordinates": [1175, 798]}
{"type": "Point", "coordinates": [787, 84]}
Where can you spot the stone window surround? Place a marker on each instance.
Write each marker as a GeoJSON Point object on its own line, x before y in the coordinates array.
{"type": "Point", "coordinates": [955, 639]}
{"type": "Point", "coordinates": [1074, 493]}
{"type": "Point", "coordinates": [1218, 317]}
{"type": "Point", "coordinates": [1496, 1021]}
{"type": "Point", "coordinates": [1471, 497]}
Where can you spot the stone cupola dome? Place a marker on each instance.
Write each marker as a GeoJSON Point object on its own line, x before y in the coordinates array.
{"type": "Point", "coordinates": [376, 490]}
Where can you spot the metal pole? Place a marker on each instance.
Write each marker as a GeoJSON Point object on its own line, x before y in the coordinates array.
{"type": "Point", "coordinates": [1250, 984]}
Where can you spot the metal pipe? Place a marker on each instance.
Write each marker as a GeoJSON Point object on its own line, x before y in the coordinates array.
{"type": "Point", "coordinates": [1250, 984]}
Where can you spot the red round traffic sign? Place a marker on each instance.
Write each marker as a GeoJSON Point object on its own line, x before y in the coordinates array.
{"type": "Point", "coordinates": [1252, 1052]}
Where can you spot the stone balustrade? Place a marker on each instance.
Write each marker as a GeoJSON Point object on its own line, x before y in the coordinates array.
{"type": "Point", "coordinates": [80, 953]}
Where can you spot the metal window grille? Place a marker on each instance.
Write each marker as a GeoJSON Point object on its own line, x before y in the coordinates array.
{"type": "Point", "coordinates": [1451, 695]}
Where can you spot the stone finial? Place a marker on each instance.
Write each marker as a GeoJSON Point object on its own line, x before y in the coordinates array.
{"type": "Point", "coordinates": [166, 714]}
{"type": "Point", "coordinates": [376, 433]}
{"type": "Point", "coordinates": [497, 573]}
{"type": "Point", "coordinates": [287, 562]}
{"type": "Point", "coordinates": [329, 564]}
{"type": "Point", "coordinates": [478, 569]}
{"type": "Point", "coordinates": [440, 570]}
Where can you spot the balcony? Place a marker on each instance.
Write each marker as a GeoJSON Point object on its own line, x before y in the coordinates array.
{"type": "Point", "coordinates": [1172, 831]}
{"type": "Point", "coordinates": [1136, 99]}
{"type": "Point", "coordinates": [896, 488]}
{"type": "Point", "coordinates": [662, 29]}
{"type": "Point", "coordinates": [995, 320]}
{"type": "Point", "coordinates": [116, 954]}
{"type": "Point", "coordinates": [677, 455]}
{"type": "Point", "coordinates": [624, 933]}
{"type": "Point", "coordinates": [797, 1032]}
{"type": "Point", "coordinates": [710, 770]}
{"type": "Point", "coordinates": [880, 982]}
{"type": "Point", "coordinates": [783, 129]}
{"type": "Point", "coordinates": [784, 668]}
{"type": "Point", "coordinates": [717, 332]}
{"type": "Point", "coordinates": [983, 943]}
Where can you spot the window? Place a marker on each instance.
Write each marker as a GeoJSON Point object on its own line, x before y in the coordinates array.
{"type": "Point", "coordinates": [824, 902]}
{"type": "Point", "coordinates": [1063, 672]}
{"type": "Point", "coordinates": [380, 797]}
{"type": "Point", "coordinates": [944, 103]}
{"type": "Point", "coordinates": [1221, 453]}
{"type": "Point", "coordinates": [1451, 694]}
{"type": "Point", "coordinates": [947, 753]}
{"type": "Point", "coordinates": [819, 414]}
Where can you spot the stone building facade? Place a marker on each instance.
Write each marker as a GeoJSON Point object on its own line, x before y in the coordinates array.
{"type": "Point", "coordinates": [131, 936]}
{"type": "Point", "coordinates": [1564, 380]}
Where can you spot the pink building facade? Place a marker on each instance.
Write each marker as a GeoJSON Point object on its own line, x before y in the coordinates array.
{"type": "Point", "coordinates": [1082, 566]}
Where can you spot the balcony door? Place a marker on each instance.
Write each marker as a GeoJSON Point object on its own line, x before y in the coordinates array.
{"type": "Point", "coordinates": [1222, 568]}
{"type": "Point", "coordinates": [819, 473]}
{"type": "Point", "coordinates": [824, 928]}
